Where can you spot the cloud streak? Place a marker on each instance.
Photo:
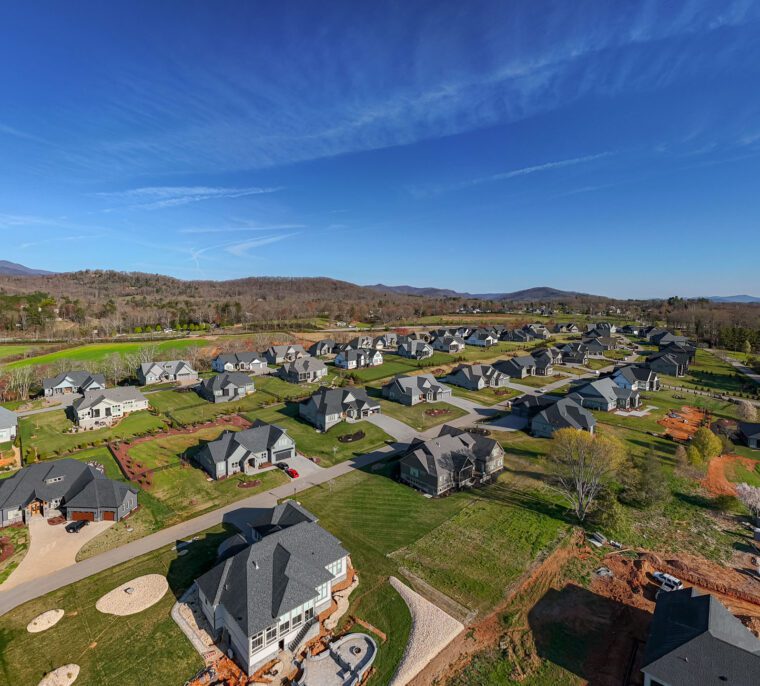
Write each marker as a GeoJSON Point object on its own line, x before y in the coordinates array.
{"type": "Point", "coordinates": [160, 197]}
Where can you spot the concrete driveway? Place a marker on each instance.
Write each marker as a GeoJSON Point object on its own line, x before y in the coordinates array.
{"type": "Point", "coordinates": [51, 548]}
{"type": "Point", "coordinates": [393, 427]}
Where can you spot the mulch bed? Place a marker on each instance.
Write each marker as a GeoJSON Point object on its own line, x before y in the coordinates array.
{"type": "Point", "coordinates": [437, 412]}
{"type": "Point", "coordinates": [351, 438]}
{"type": "Point", "coordinates": [249, 484]}
{"type": "Point", "coordinates": [135, 471]}
{"type": "Point", "coordinates": [6, 548]}
{"type": "Point", "coordinates": [502, 391]}
{"type": "Point", "coordinates": [54, 521]}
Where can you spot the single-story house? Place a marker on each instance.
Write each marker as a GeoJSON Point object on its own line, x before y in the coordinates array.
{"type": "Point", "coordinates": [415, 349]}
{"type": "Point", "coordinates": [105, 407]}
{"type": "Point", "coordinates": [637, 378]}
{"type": "Point", "coordinates": [482, 338]}
{"type": "Point", "coordinates": [358, 358]}
{"type": "Point", "coordinates": [70, 487]}
{"type": "Point", "coordinates": [449, 344]}
{"type": "Point", "coordinates": [227, 386]}
{"type": "Point", "coordinates": [538, 331]}
{"type": "Point", "coordinates": [330, 406]}
{"type": "Point", "coordinates": [73, 382]}
{"type": "Point", "coordinates": [518, 336]}
{"type": "Point", "coordinates": [600, 330]}
{"type": "Point", "coordinates": [324, 347]}
{"type": "Point", "coordinates": [169, 370]}
{"type": "Point", "coordinates": [451, 461]}
{"type": "Point", "coordinates": [477, 376]}
{"type": "Point", "coordinates": [303, 370]}
{"type": "Point", "coordinates": [253, 363]}
{"type": "Point", "coordinates": [410, 390]}
{"type": "Point", "coordinates": [631, 330]}
{"type": "Point", "coordinates": [564, 413]}
{"type": "Point", "coordinates": [267, 596]}
{"type": "Point", "coordinates": [750, 432]}
{"type": "Point", "coordinates": [8, 425]}
{"type": "Point", "coordinates": [517, 367]}
{"type": "Point", "coordinates": [604, 394]}
{"type": "Point", "coordinates": [245, 451]}
{"type": "Point", "coordinates": [277, 354]}
{"type": "Point", "coordinates": [363, 341]}
{"type": "Point", "coordinates": [694, 639]}
{"type": "Point", "coordinates": [664, 338]}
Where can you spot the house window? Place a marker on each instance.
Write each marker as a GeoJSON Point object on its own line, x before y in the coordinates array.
{"type": "Point", "coordinates": [54, 480]}
{"type": "Point", "coordinates": [296, 621]}
{"type": "Point", "coordinates": [309, 614]}
{"type": "Point", "coordinates": [284, 627]}
{"type": "Point", "coordinates": [322, 593]}
{"type": "Point", "coordinates": [257, 642]}
{"type": "Point", "coordinates": [271, 634]}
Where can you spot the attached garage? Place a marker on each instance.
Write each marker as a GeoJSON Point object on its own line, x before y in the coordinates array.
{"type": "Point", "coordinates": [109, 516]}
{"type": "Point", "coordinates": [79, 515]}
{"type": "Point", "coordinates": [282, 455]}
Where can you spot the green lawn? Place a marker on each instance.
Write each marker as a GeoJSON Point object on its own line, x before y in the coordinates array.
{"type": "Point", "coordinates": [325, 446]}
{"type": "Point", "coordinates": [47, 432]}
{"type": "Point", "coordinates": [416, 416]}
{"type": "Point", "coordinates": [485, 396]}
{"type": "Point", "coordinates": [539, 381]}
{"type": "Point", "coordinates": [710, 372]}
{"type": "Point", "coordinates": [19, 539]}
{"type": "Point", "coordinates": [96, 352]}
{"type": "Point", "coordinates": [12, 350]}
{"type": "Point", "coordinates": [131, 651]}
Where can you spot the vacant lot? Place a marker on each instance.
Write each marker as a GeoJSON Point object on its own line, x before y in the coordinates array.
{"type": "Point", "coordinates": [485, 396]}
{"type": "Point", "coordinates": [709, 372]}
{"type": "Point", "coordinates": [417, 416]}
{"type": "Point", "coordinates": [48, 433]}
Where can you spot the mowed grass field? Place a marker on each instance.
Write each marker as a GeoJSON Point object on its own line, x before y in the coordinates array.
{"type": "Point", "coordinates": [417, 417]}
{"type": "Point", "coordinates": [709, 372]}
{"type": "Point", "coordinates": [485, 396]}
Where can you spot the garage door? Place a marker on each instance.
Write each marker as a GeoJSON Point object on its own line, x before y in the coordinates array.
{"type": "Point", "coordinates": [79, 516]}
{"type": "Point", "coordinates": [283, 455]}
{"type": "Point", "coordinates": [109, 516]}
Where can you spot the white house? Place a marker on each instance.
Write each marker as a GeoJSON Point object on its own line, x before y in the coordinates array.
{"type": "Point", "coordinates": [8, 425]}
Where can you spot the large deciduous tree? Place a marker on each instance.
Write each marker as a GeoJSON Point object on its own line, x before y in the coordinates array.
{"type": "Point", "coordinates": [707, 443]}
{"type": "Point", "coordinates": [580, 465]}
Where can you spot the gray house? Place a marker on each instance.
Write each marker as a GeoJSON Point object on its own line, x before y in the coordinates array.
{"type": "Point", "coordinates": [169, 370]}
{"type": "Point", "coordinates": [750, 432]}
{"type": "Point", "coordinates": [449, 344]}
{"type": "Point", "coordinates": [482, 338]}
{"type": "Point", "coordinates": [8, 425]}
{"type": "Point", "coordinates": [72, 488]}
{"type": "Point", "coordinates": [545, 359]}
{"type": "Point", "coordinates": [278, 354]}
{"type": "Point", "coordinates": [517, 367]}
{"type": "Point", "coordinates": [477, 376]}
{"type": "Point", "coordinates": [667, 363]}
{"type": "Point", "coordinates": [357, 358]}
{"type": "Point", "coordinates": [637, 378]}
{"type": "Point", "coordinates": [245, 451]}
{"type": "Point", "coordinates": [330, 406]}
{"type": "Point", "coordinates": [73, 382]}
{"type": "Point", "coordinates": [105, 407]}
{"type": "Point", "coordinates": [695, 640]}
{"type": "Point", "coordinates": [565, 413]}
{"type": "Point", "coordinates": [388, 341]}
{"type": "Point", "coordinates": [604, 394]}
{"type": "Point", "coordinates": [410, 390]}
{"type": "Point", "coordinates": [303, 370]}
{"type": "Point", "coordinates": [227, 386]}
{"type": "Point", "coordinates": [268, 596]}
{"type": "Point", "coordinates": [415, 349]}
{"type": "Point", "coordinates": [324, 347]}
{"type": "Point", "coordinates": [575, 353]}
{"type": "Point", "coordinates": [453, 460]}
{"type": "Point", "coordinates": [252, 363]}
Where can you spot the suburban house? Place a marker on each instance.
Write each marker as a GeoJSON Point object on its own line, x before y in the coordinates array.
{"type": "Point", "coordinates": [687, 350]}
{"type": "Point", "coordinates": [227, 386]}
{"type": "Point", "coordinates": [330, 406]}
{"type": "Point", "coordinates": [326, 346]}
{"type": "Point", "coordinates": [73, 382]}
{"type": "Point", "coordinates": [600, 330]}
{"type": "Point", "coordinates": [482, 338]}
{"type": "Point", "coordinates": [410, 390]}
{"type": "Point", "coordinates": [663, 338]}
{"type": "Point", "coordinates": [171, 370]}
{"type": "Point", "coordinates": [575, 353]}
{"type": "Point", "coordinates": [303, 370]}
{"type": "Point", "coordinates": [278, 354]}
{"type": "Point", "coordinates": [597, 346]}
{"type": "Point", "coordinates": [604, 394]}
{"type": "Point", "coordinates": [245, 451]}
{"type": "Point", "coordinates": [518, 336]}
{"type": "Point", "coordinates": [528, 406]}
{"type": "Point", "coordinates": [517, 367]}
{"type": "Point", "coordinates": [453, 460]}
{"type": "Point", "coordinates": [253, 363]}
{"type": "Point", "coordinates": [694, 639]}
{"type": "Point", "coordinates": [268, 596]}
{"type": "Point", "coordinates": [538, 331]}
{"type": "Point", "coordinates": [358, 358]}
{"type": "Point", "coordinates": [8, 425]}
{"type": "Point", "coordinates": [477, 376]}
{"type": "Point", "coordinates": [415, 349]}
{"type": "Point", "coordinates": [449, 344]}
{"type": "Point", "coordinates": [667, 363]}
{"type": "Point", "coordinates": [69, 487]}
{"type": "Point", "coordinates": [750, 432]}
{"type": "Point", "coordinates": [545, 359]}
{"type": "Point", "coordinates": [105, 407]}
{"type": "Point", "coordinates": [388, 341]}
{"type": "Point", "coordinates": [566, 328]}
{"type": "Point", "coordinates": [565, 413]}
{"type": "Point", "coordinates": [631, 330]}
{"type": "Point", "coordinates": [637, 378]}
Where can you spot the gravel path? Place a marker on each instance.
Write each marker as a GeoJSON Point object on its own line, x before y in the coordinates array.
{"type": "Point", "coordinates": [432, 630]}
{"type": "Point", "coordinates": [44, 621]}
{"type": "Point", "coordinates": [63, 676]}
{"type": "Point", "coordinates": [134, 596]}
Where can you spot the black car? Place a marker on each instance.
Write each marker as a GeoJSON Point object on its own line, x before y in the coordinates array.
{"type": "Point", "coordinates": [282, 465]}
{"type": "Point", "coordinates": [76, 527]}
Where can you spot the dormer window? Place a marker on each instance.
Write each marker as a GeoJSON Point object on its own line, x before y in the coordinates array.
{"type": "Point", "coordinates": [54, 480]}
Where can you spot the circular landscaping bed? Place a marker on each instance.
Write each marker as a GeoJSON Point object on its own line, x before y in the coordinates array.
{"type": "Point", "coordinates": [249, 484]}
{"type": "Point", "coordinates": [437, 411]}
{"type": "Point", "coordinates": [351, 438]}
{"type": "Point", "coordinates": [501, 391]}
{"type": "Point", "coordinates": [478, 431]}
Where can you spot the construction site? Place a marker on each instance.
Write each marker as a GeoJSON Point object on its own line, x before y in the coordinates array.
{"type": "Point", "coordinates": [680, 425]}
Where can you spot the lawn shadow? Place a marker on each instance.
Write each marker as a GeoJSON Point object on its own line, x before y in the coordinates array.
{"type": "Point", "coordinates": [527, 500]}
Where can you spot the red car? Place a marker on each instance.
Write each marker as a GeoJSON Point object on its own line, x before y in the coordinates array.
{"type": "Point", "coordinates": [292, 473]}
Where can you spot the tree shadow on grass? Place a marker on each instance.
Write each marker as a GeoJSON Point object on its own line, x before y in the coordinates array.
{"type": "Point", "coordinates": [526, 500]}
{"type": "Point", "coordinates": [716, 504]}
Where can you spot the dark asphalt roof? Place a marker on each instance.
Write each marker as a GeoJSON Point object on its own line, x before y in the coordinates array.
{"type": "Point", "coordinates": [260, 437]}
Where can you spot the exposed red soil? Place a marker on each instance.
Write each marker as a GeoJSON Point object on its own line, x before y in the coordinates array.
{"type": "Point", "coordinates": [685, 424]}
{"type": "Point", "coordinates": [6, 548]}
{"type": "Point", "coordinates": [715, 480]}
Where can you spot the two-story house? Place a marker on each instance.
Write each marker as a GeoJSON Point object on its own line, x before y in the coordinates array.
{"type": "Point", "coordinates": [178, 371]}
{"type": "Point", "coordinates": [330, 406]}
{"type": "Point", "coordinates": [303, 370]}
{"type": "Point", "coordinates": [106, 407]}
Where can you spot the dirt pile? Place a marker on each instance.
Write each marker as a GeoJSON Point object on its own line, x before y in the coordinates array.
{"type": "Point", "coordinates": [681, 425]}
{"type": "Point", "coordinates": [716, 481]}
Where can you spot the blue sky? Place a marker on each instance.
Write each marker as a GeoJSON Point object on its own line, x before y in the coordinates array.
{"type": "Point", "coordinates": [606, 147]}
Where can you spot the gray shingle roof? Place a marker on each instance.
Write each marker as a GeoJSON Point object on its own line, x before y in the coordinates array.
{"type": "Point", "coordinates": [240, 358]}
{"type": "Point", "coordinates": [225, 380]}
{"type": "Point", "coordinates": [170, 367]}
{"type": "Point", "coordinates": [304, 365]}
{"type": "Point", "coordinates": [8, 419]}
{"type": "Point", "coordinates": [567, 414]}
{"type": "Point", "coordinates": [414, 384]}
{"type": "Point", "coordinates": [119, 394]}
{"type": "Point", "coordinates": [337, 400]}
{"type": "Point", "coordinates": [76, 378]}
{"type": "Point", "coordinates": [258, 438]}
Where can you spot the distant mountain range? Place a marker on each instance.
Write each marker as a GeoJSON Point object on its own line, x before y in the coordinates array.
{"type": "Point", "coordinates": [15, 269]}
{"type": "Point", "coordinates": [734, 298]}
{"type": "Point", "coordinates": [539, 293]}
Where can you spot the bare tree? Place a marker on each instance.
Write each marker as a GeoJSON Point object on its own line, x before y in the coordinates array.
{"type": "Point", "coordinates": [20, 381]}
{"type": "Point", "coordinates": [746, 411]}
{"type": "Point", "coordinates": [580, 464]}
{"type": "Point", "coordinates": [114, 368]}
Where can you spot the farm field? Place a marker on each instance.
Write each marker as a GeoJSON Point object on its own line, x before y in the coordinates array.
{"type": "Point", "coordinates": [417, 416]}
{"type": "Point", "coordinates": [13, 349]}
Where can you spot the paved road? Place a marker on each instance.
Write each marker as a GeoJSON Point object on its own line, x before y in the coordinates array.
{"type": "Point", "coordinates": [741, 368]}
{"type": "Point", "coordinates": [235, 512]}
{"type": "Point", "coordinates": [64, 402]}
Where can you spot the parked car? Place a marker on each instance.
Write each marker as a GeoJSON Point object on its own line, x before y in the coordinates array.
{"type": "Point", "coordinates": [667, 582]}
{"type": "Point", "coordinates": [76, 527]}
{"type": "Point", "coordinates": [292, 473]}
{"type": "Point", "coordinates": [282, 465]}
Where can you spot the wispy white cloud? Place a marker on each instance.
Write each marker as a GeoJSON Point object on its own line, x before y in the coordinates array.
{"type": "Point", "coordinates": [159, 197]}
{"type": "Point", "coordinates": [58, 239]}
{"type": "Point", "coordinates": [231, 229]}
{"type": "Point", "coordinates": [242, 248]}
{"type": "Point", "coordinates": [17, 133]}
